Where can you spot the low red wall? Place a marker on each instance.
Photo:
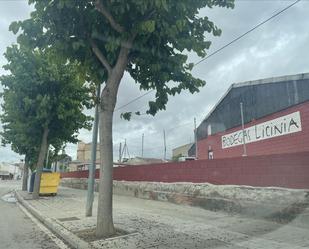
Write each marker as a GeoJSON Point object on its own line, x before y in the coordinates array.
{"type": "Point", "coordinates": [286, 170]}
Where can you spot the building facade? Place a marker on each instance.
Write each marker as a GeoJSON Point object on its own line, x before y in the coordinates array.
{"type": "Point", "coordinates": [11, 171]}
{"type": "Point", "coordinates": [84, 152]}
{"type": "Point", "coordinates": [275, 114]}
{"type": "Point", "coordinates": [181, 150]}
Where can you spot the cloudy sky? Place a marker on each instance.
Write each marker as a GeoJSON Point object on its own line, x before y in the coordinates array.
{"type": "Point", "coordinates": [280, 47]}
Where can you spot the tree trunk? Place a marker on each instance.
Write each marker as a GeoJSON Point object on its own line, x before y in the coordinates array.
{"type": "Point", "coordinates": [39, 166]}
{"type": "Point", "coordinates": [25, 175]}
{"type": "Point", "coordinates": [105, 225]}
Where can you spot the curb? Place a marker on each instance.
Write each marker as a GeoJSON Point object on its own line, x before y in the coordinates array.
{"type": "Point", "coordinates": [70, 238]}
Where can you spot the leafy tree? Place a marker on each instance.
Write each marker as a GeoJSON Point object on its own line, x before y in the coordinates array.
{"type": "Point", "coordinates": [16, 130]}
{"type": "Point", "coordinates": [53, 154]}
{"type": "Point", "coordinates": [20, 144]}
{"type": "Point", "coordinates": [148, 39]}
{"type": "Point", "coordinates": [43, 103]}
{"type": "Point", "coordinates": [55, 157]}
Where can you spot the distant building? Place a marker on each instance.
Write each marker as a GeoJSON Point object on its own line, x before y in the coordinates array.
{"type": "Point", "coordinates": [62, 165]}
{"type": "Point", "coordinates": [10, 171]}
{"type": "Point", "coordinates": [84, 152]}
{"type": "Point", "coordinates": [141, 161]}
{"type": "Point", "coordinates": [181, 151]}
{"type": "Point", "coordinates": [5, 175]}
{"type": "Point", "coordinates": [276, 119]}
{"type": "Point", "coordinates": [83, 160]}
{"type": "Point", "coordinates": [77, 165]}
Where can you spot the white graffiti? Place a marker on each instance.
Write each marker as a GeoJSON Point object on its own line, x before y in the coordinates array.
{"type": "Point", "coordinates": [284, 125]}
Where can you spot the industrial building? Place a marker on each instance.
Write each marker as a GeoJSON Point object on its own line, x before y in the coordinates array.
{"type": "Point", "coordinates": [261, 117]}
{"type": "Point", "coordinates": [84, 151]}
{"type": "Point", "coordinates": [181, 151]}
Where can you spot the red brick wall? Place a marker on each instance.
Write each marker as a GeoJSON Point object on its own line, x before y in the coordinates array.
{"type": "Point", "coordinates": [295, 142]}
{"type": "Point", "coordinates": [281, 170]}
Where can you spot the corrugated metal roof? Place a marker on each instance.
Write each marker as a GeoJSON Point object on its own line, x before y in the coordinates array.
{"type": "Point", "coordinates": [271, 80]}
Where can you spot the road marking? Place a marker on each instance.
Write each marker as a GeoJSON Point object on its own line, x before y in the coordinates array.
{"type": "Point", "coordinates": [53, 237]}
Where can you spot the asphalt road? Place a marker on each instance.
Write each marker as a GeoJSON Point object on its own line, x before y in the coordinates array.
{"type": "Point", "coordinates": [17, 230]}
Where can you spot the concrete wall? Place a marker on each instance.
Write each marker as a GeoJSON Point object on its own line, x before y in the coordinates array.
{"type": "Point", "coordinates": [282, 170]}
{"type": "Point", "coordinates": [295, 142]}
{"type": "Point", "coordinates": [271, 203]}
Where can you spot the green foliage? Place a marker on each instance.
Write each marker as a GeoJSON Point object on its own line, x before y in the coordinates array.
{"type": "Point", "coordinates": [63, 168]}
{"type": "Point", "coordinates": [164, 32]}
{"type": "Point", "coordinates": [54, 156]}
{"type": "Point", "coordinates": [128, 115]}
{"type": "Point", "coordinates": [39, 92]}
{"type": "Point", "coordinates": [147, 38]}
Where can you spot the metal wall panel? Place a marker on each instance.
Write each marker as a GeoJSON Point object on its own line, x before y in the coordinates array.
{"type": "Point", "coordinates": [258, 100]}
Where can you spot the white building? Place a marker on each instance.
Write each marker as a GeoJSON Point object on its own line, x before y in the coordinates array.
{"type": "Point", "coordinates": [7, 169]}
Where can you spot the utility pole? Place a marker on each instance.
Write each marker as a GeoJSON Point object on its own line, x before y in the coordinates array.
{"type": "Point", "coordinates": [25, 174]}
{"type": "Point", "coordinates": [125, 150]}
{"type": "Point", "coordinates": [195, 139]}
{"type": "Point", "coordinates": [92, 167]}
{"type": "Point", "coordinates": [120, 152]}
{"type": "Point", "coordinates": [243, 129]}
{"type": "Point", "coordinates": [47, 157]}
{"type": "Point", "coordinates": [55, 165]}
{"type": "Point", "coordinates": [143, 145]}
{"type": "Point", "coordinates": [164, 145]}
{"type": "Point", "coordinates": [14, 176]}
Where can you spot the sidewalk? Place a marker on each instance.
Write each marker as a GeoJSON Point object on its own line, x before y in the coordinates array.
{"type": "Point", "coordinates": [154, 224]}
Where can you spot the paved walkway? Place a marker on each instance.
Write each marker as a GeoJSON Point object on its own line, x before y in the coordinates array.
{"type": "Point", "coordinates": [16, 229]}
{"type": "Point", "coordinates": [165, 225]}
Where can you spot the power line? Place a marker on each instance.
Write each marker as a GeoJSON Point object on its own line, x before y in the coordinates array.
{"type": "Point", "coordinates": [133, 100]}
{"type": "Point", "coordinates": [157, 132]}
{"type": "Point", "coordinates": [223, 47]}
{"type": "Point", "coordinates": [247, 32]}
{"type": "Point", "coordinates": [185, 124]}
{"type": "Point", "coordinates": [170, 128]}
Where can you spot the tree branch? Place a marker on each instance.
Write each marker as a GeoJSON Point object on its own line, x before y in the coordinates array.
{"type": "Point", "coordinates": [122, 59]}
{"type": "Point", "coordinates": [101, 57]}
{"type": "Point", "coordinates": [116, 26]}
